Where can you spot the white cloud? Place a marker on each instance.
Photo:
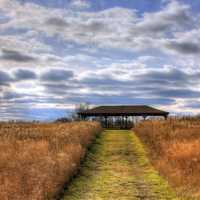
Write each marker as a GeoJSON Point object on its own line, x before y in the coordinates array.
{"type": "Point", "coordinates": [172, 17]}
{"type": "Point", "coordinates": [111, 28]}
{"type": "Point", "coordinates": [80, 4]}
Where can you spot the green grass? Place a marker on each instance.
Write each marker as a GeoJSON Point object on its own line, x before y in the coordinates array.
{"type": "Point", "coordinates": [117, 168]}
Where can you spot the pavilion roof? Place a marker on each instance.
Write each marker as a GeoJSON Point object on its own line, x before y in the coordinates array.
{"type": "Point", "coordinates": [136, 110]}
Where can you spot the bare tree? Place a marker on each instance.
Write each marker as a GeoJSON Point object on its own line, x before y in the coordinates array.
{"type": "Point", "coordinates": [78, 108]}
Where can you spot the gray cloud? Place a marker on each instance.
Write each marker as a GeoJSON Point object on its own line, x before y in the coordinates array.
{"type": "Point", "coordinates": [118, 99]}
{"type": "Point", "coordinates": [12, 55]}
{"type": "Point", "coordinates": [101, 81]}
{"type": "Point", "coordinates": [131, 31]}
{"type": "Point", "coordinates": [11, 95]}
{"type": "Point", "coordinates": [55, 75]}
{"type": "Point", "coordinates": [171, 77]}
{"type": "Point", "coordinates": [174, 15]}
{"type": "Point", "coordinates": [56, 21]}
{"type": "Point", "coordinates": [194, 104]}
{"type": "Point", "coordinates": [95, 26]}
{"type": "Point", "coordinates": [61, 88]}
{"type": "Point", "coordinates": [155, 83]}
{"type": "Point", "coordinates": [178, 93]}
{"type": "Point", "coordinates": [24, 74]}
{"type": "Point", "coordinates": [185, 47]}
{"type": "Point", "coordinates": [5, 78]}
{"type": "Point", "coordinates": [173, 83]}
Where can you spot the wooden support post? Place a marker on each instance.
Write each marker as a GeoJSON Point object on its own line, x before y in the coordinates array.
{"type": "Point", "coordinates": [133, 121]}
{"type": "Point", "coordinates": [106, 122]}
{"type": "Point", "coordinates": [83, 117]}
{"type": "Point", "coordinates": [144, 116]}
{"type": "Point", "coordinates": [112, 121]}
{"type": "Point", "coordinates": [126, 122]}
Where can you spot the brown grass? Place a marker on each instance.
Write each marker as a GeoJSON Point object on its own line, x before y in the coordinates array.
{"type": "Point", "coordinates": [175, 151]}
{"type": "Point", "coordinates": [36, 160]}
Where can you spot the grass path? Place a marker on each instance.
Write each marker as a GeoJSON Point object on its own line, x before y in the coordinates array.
{"type": "Point", "coordinates": [117, 168]}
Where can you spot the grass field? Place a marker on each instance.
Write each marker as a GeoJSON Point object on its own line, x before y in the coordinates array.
{"type": "Point", "coordinates": [117, 168]}
{"type": "Point", "coordinates": [174, 147]}
{"type": "Point", "coordinates": [36, 160]}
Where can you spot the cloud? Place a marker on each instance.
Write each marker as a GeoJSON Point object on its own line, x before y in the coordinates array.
{"type": "Point", "coordinates": [80, 4]}
{"type": "Point", "coordinates": [61, 88]}
{"type": "Point", "coordinates": [11, 95]}
{"type": "Point", "coordinates": [194, 104]}
{"type": "Point", "coordinates": [185, 43]}
{"type": "Point", "coordinates": [22, 43]}
{"type": "Point", "coordinates": [178, 93]}
{"type": "Point", "coordinates": [168, 83]}
{"type": "Point", "coordinates": [171, 77]}
{"type": "Point", "coordinates": [12, 55]}
{"type": "Point", "coordinates": [183, 47]}
{"type": "Point", "coordinates": [174, 15]}
{"type": "Point", "coordinates": [100, 99]}
{"type": "Point", "coordinates": [57, 75]}
{"type": "Point", "coordinates": [24, 74]}
{"type": "Point", "coordinates": [101, 81]}
{"type": "Point", "coordinates": [57, 22]}
{"type": "Point", "coordinates": [5, 78]}
{"type": "Point", "coordinates": [132, 31]}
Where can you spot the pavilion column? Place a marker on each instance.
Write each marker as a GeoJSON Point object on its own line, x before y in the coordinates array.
{"type": "Point", "coordinates": [82, 117]}
{"type": "Point", "coordinates": [126, 122]}
{"type": "Point", "coordinates": [133, 121]}
{"type": "Point", "coordinates": [106, 122]}
{"type": "Point", "coordinates": [121, 122]}
{"type": "Point", "coordinates": [113, 122]}
{"type": "Point", "coordinates": [144, 117]}
{"type": "Point", "coordinates": [166, 116]}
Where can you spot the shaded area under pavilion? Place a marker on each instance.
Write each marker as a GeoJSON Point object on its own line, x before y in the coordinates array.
{"type": "Point", "coordinates": [121, 117]}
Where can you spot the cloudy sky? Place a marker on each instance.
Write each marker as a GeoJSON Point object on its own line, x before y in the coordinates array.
{"type": "Point", "coordinates": [55, 54]}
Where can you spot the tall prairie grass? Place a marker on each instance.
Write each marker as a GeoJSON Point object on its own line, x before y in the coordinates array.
{"type": "Point", "coordinates": [36, 160]}
{"type": "Point", "coordinates": [174, 148]}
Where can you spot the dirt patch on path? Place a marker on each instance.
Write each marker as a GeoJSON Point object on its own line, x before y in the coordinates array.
{"type": "Point", "coordinates": [117, 168]}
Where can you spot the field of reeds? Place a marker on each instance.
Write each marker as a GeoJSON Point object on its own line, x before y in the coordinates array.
{"type": "Point", "coordinates": [174, 149]}
{"type": "Point", "coordinates": [36, 160]}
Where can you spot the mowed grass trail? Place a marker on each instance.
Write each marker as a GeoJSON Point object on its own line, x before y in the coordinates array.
{"type": "Point", "coordinates": [116, 168]}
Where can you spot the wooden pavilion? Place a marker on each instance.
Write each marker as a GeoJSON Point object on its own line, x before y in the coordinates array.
{"type": "Point", "coordinates": [120, 116]}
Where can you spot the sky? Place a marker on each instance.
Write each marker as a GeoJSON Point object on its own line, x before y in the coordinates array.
{"type": "Point", "coordinates": [55, 54]}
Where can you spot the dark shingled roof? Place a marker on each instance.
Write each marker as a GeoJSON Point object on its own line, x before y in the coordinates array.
{"type": "Point", "coordinates": [124, 110]}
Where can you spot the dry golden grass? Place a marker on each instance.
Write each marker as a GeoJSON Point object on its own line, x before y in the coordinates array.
{"type": "Point", "coordinates": [36, 160]}
{"type": "Point", "coordinates": [174, 147]}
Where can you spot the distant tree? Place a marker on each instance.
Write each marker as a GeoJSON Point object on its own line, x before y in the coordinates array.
{"type": "Point", "coordinates": [63, 119]}
{"type": "Point", "coordinates": [82, 106]}
{"type": "Point", "coordinates": [78, 108]}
